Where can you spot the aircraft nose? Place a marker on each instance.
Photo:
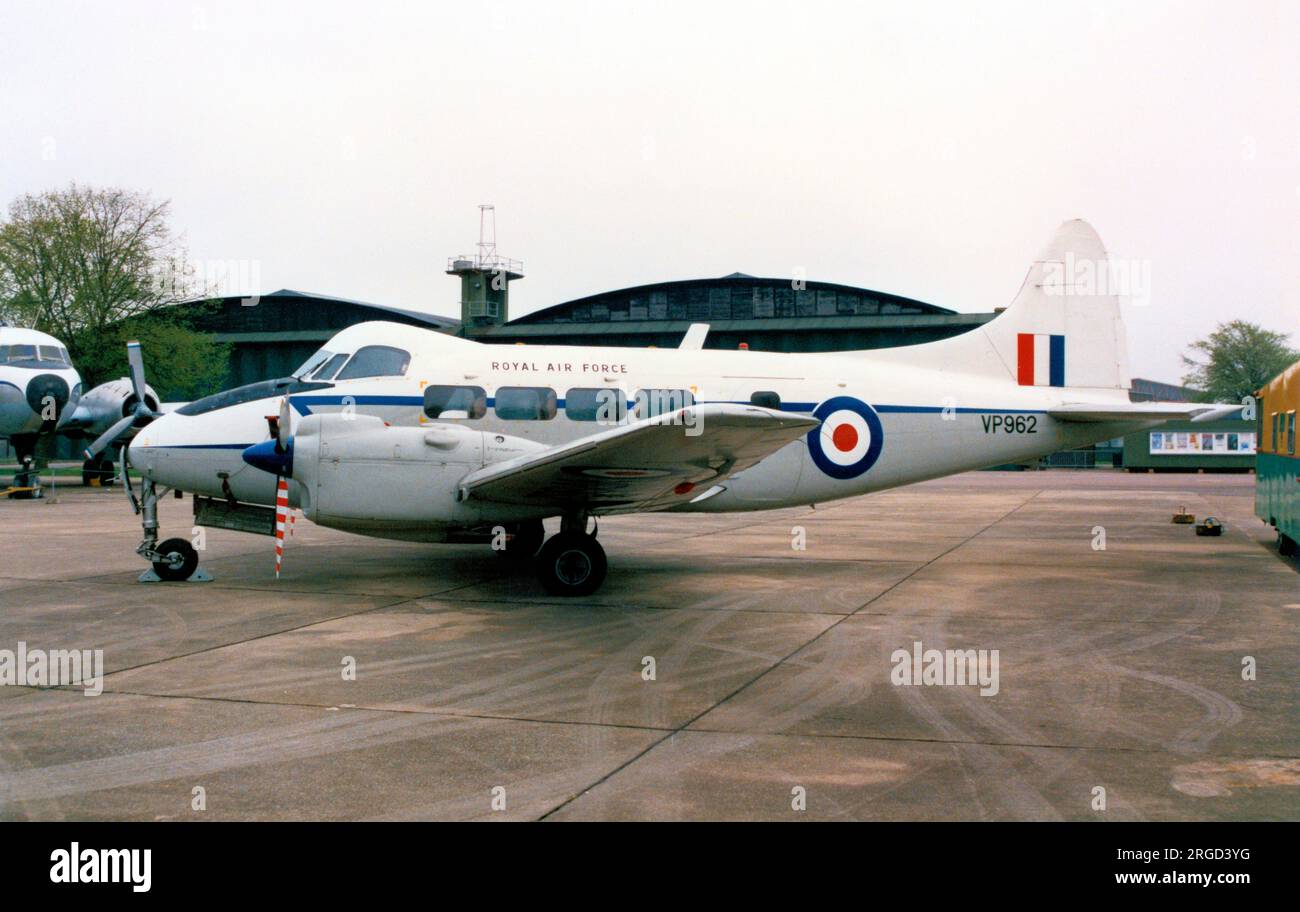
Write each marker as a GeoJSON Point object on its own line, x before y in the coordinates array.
{"type": "Point", "coordinates": [270, 457]}
{"type": "Point", "coordinates": [166, 430]}
{"type": "Point", "coordinates": [47, 394]}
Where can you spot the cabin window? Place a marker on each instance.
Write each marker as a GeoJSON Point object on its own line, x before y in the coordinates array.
{"type": "Point", "coordinates": [1277, 421]}
{"type": "Point", "coordinates": [1290, 433]}
{"type": "Point", "coordinates": [455, 401]}
{"type": "Point", "coordinates": [526, 403]}
{"type": "Point", "coordinates": [602, 405]}
{"type": "Point", "coordinates": [766, 399]}
{"type": "Point", "coordinates": [376, 361]}
{"type": "Point", "coordinates": [652, 402]}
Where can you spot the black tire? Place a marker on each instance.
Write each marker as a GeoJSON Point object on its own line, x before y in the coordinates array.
{"type": "Point", "coordinates": [571, 564]}
{"type": "Point", "coordinates": [525, 539]}
{"type": "Point", "coordinates": [181, 562]}
{"type": "Point", "coordinates": [98, 470]}
{"type": "Point", "coordinates": [1286, 545]}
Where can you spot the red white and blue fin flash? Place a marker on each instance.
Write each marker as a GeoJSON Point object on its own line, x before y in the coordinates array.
{"type": "Point", "coordinates": [1040, 359]}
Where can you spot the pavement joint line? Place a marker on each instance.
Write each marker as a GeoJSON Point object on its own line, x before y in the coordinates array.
{"type": "Point", "coordinates": [262, 636]}
{"type": "Point", "coordinates": [973, 742]}
{"type": "Point", "coordinates": [700, 715]}
{"type": "Point", "coordinates": [327, 707]}
{"type": "Point", "coordinates": [625, 607]}
{"type": "Point", "coordinates": [491, 717]}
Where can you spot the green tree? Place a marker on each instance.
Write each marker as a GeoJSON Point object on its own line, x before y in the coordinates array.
{"type": "Point", "coordinates": [87, 265]}
{"type": "Point", "coordinates": [180, 364]}
{"type": "Point", "coordinates": [1236, 360]}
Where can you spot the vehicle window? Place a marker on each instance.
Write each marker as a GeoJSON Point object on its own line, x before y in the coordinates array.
{"type": "Point", "coordinates": [331, 367]}
{"type": "Point", "coordinates": [20, 353]}
{"type": "Point", "coordinates": [51, 353]}
{"type": "Point", "coordinates": [316, 360]}
{"type": "Point", "coordinates": [464, 401]}
{"type": "Point", "coordinates": [652, 402]}
{"type": "Point", "coordinates": [1290, 433]}
{"type": "Point", "coordinates": [766, 399]}
{"type": "Point", "coordinates": [604, 405]}
{"type": "Point", "coordinates": [376, 361]}
{"type": "Point", "coordinates": [526, 403]}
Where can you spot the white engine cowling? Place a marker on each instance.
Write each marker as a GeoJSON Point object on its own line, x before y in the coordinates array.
{"type": "Point", "coordinates": [101, 407]}
{"type": "Point", "coordinates": [355, 472]}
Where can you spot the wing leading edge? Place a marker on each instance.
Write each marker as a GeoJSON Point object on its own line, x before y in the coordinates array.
{"type": "Point", "coordinates": [650, 464]}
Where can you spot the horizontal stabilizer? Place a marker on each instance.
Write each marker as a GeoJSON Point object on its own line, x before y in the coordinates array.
{"type": "Point", "coordinates": [1142, 411]}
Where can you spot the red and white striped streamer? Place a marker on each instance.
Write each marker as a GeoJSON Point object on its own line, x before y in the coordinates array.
{"type": "Point", "coordinates": [281, 510]}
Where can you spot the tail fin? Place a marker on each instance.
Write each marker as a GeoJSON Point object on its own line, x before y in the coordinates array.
{"type": "Point", "coordinates": [1063, 328]}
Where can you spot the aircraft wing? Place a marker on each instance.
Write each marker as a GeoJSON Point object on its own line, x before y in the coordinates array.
{"type": "Point", "coordinates": [647, 465]}
{"type": "Point", "coordinates": [1142, 411]}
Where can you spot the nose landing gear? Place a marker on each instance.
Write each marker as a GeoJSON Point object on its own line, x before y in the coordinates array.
{"type": "Point", "coordinates": [175, 560]}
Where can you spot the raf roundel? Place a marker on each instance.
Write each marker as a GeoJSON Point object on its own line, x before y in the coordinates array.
{"type": "Point", "coordinates": [850, 438]}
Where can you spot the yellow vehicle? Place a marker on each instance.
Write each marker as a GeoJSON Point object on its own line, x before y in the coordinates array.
{"type": "Point", "coordinates": [1277, 479]}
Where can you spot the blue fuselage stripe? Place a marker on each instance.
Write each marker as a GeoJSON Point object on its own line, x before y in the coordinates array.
{"type": "Point", "coordinates": [303, 405]}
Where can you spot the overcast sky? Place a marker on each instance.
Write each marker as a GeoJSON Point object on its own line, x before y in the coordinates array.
{"type": "Point", "coordinates": [925, 149]}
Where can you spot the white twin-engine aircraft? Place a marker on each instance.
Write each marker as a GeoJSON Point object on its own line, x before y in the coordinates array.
{"type": "Point", "coordinates": [404, 433]}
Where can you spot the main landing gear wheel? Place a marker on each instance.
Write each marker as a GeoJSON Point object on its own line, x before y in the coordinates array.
{"type": "Point", "coordinates": [98, 471]}
{"type": "Point", "coordinates": [525, 539]}
{"type": "Point", "coordinates": [179, 560]}
{"type": "Point", "coordinates": [571, 563]}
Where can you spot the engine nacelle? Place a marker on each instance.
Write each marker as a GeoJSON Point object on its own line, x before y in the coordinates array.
{"type": "Point", "coordinates": [98, 409]}
{"type": "Point", "coordinates": [355, 472]}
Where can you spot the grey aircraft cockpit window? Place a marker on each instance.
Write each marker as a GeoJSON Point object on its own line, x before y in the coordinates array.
{"type": "Point", "coordinates": [44, 357]}
{"type": "Point", "coordinates": [319, 357]}
{"type": "Point", "coordinates": [331, 367]}
{"type": "Point", "coordinates": [376, 361]}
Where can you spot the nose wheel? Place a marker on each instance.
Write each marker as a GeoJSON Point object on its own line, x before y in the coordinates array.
{"type": "Point", "coordinates": [571, 564]}
{"type": "Point", "coordinates": [177, 560]}
{"type": "Point", "coordinates": [173, 561]}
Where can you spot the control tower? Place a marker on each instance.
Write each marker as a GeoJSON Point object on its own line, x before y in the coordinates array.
{"type": "Point", "coordinates": [484, 278]}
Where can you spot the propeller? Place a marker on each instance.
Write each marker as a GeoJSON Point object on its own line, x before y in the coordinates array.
{"type": "Point", "coordinates": [140, 414]}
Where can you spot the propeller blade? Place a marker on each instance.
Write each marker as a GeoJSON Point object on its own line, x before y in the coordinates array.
{"type": "Point", "coordinates": [109, 437]}
{"type": "Point", "coordinates": [281, 509]}
{"type": "Point", "coordinates": [283, 431]}
{"type": "Point", "coordinates": [136, 359]}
